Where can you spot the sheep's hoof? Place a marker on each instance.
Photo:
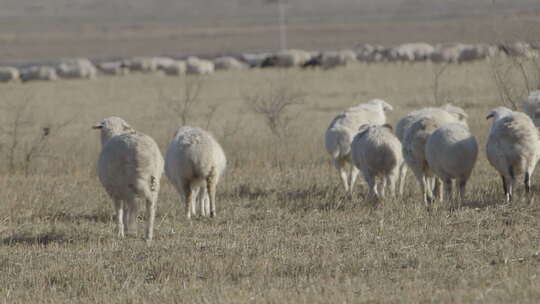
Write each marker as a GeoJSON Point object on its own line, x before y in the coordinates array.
{"type": "Point", "coordinates": [212, 214]}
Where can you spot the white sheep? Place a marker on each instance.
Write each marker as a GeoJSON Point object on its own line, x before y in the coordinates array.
{"type": "Point", "coordinates": [343, 128]}
{"type": "Point", "coordinates": [199, 66]}
{"type": "Point", "coordinates": [76, 68]}
{"type": "Point", "coordinates": [414, 144]}
{"type": "Point", "coordinates": [512, 148]}
{"type": "Point", "coordinates": [113, 68]}
{"type": "Point", "coordinates": [451, 153]}
{"type": "Point", "coordinates": [44, 73]}
{"type": "Point", "coordinates": [229, 63]}
{"type": "Point", "coordinates": [195, 161]}
{"type": "Point", "coordinates": [531, 107]}
{"type": "Point", "coordinates": [446, 113]}
{"type": "Point", "coordinates": [332, 59]}
{"type": "Point", "coordinates": [142, 64]}
{"type": "Point", "coordinates": [8, 74]}
{"type": "Point", "coordinates": [176, 68]}
{"type": "Point", "coordinates": [376, 152]}
{"type": "Point", "coordinates": [291, 58]}
{"type": "Point", "coordinates": [130, 165]}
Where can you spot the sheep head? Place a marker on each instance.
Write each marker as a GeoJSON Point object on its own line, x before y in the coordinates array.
{"type": "Point", "coordinates": [384, 105]}
{"type": "Point", "coordinates": [499, 113]}
{"type": "Point", "coordinates": [112, 126]}
{"type": "Point", "coordinates": [459, 112]}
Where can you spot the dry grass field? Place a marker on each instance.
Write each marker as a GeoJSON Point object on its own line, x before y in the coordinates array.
{"type": "Point", "coordinates": [285, 232]}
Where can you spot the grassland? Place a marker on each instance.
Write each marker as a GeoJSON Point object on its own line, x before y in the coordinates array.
{"type": "Point", "coordinates": [285, 231]}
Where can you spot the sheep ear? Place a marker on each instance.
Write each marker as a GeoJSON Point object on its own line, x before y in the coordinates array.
{"type": "Point", "coordinates": [97, 126]}
{"type": "Point", "coordinates": [126, 127]}
{"type": "Point", "coordinates": [388, 107]}
{"type": "Point", "coordinates": [363, 127]}
{"type": "Point", "coordinates": [388, 126]}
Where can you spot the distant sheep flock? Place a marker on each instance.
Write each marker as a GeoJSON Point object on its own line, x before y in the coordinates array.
{"type": "Point", "coordinates": [83, 68]}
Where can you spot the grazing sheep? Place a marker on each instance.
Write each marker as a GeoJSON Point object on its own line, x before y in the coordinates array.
{"type": "Point", "coordinates": [337, 58]}
{"type": "Point", "coordinates": [451, 153]}
{"type": "Point", "coordinates": [255, 60]}
{"type": "Point", "coordinates": [9, 74]}
{"type": "Point", "coordinates": [199, 66]}
{"type": "Point", "coordinates": [418, 51]}
{"type": "Point", "coordinates": [228, 63]}
{"type": "Point", "coordinates": [76, 68]}
{"type": "Point", "coordinates": [116, 68]}
{"type": "Point", "coordinates": [414, 145]}
{"type": "Point", "coordinates": [446, 113]}
{"type": "Point", "coordinates": [177, 68]}
{"type": "Point", "coordinates": [512, 148]}
{"type": "Point", "coordinates": [44, 73]}
{"type": "Point", "coordinates": [287, 59]}
{"type": "Point", "coordinates": [343, 128]}
{"type": "Point", "coordinates": [142, 64]}
{"type": "Point", "coordinates": [376, 152]}
{"type": "Point", "coordinates": [194, 160]}
{"type": "Point", "coordinates": [130, 165]}
{"type": "Point", "coordinates": [531, 107]}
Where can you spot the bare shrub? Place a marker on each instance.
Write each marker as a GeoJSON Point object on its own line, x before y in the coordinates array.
{"type": "Point", "coordinates": [23, 144]}
{"type": "Point", "coordinates": [515, 78]}
{"type": "Point", "coordinates": [183, 104]}
{"type": "Point", "coordinates": [274, 105]}
{"type": "Point", "coordinates": [438, 71]}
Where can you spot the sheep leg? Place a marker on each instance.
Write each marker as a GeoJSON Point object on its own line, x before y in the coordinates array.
{"type": "Point", "coordinates": [354, 175]}
{"type": "Point", "coordinates": [189, 197]}
{"type": "Point", "coordinates": [505, 189]}
{"type": "Point", "coordinates": [527, 183]}
{"type": "Point", "coordinates": [372, 187]}
{"type": "Point", "coordinates": [118, 205]}
{"type": "Point", "coordinates": [150, 216]}
{"type": "Point", "coordinates": [340, 166]}
{"type": "Point", "coordinates": [211, 183]}
{"type": "Point", "coordinates": [447, 190]}
{"type": "Point", "coordinates": [197, 201]}
{"type": "Point", "coordinates": [426, 189]}
{"type": "Point", "coordinates": [437, 187]}
{"type": "Point", "coordinates": [462, 185]}
{"type": "Point", "coordinates": [205, 202]}
{"type": "Point", "coordinates": [391, 182]}
{"type": "Point", "coordinates": [382, 187]}
{"type": "Point", "coordinates": [130, 215]}
{"type": "Point", "coordinates": [401, 177]}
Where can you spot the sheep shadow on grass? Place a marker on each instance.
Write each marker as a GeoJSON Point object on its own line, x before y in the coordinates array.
{"type": "Point", "coordinates": [43, 239]}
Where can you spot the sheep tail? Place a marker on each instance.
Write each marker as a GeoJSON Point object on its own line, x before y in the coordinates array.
{"type": "Point", "coordinates": [153, 183]}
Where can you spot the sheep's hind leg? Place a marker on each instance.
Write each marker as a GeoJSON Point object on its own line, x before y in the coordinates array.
{"type": "Point", "coordinates": [401, 177]}
{"type": "Point", "coordinates": [119, 208]}
{"type": "Point", "coordinates": [188, 193]}
{"type": "Point", "coordinates": [204, 202]}
{"type": "Point", "coordinates": [150, 216]}
{"type": "Point", "coordinates": [354, 175]}
{"type": "Point", "coordinates": [211, 184]}
{"type": "Point", "coordinates": [130, 216]}
{"type": "Point", "coordinates": [340, 166]}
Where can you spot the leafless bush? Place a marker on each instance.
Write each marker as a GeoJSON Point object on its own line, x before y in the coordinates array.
{"type": "Point", "coordinates": [209, 116]}
{"type": "Point", "coordinates": [515, 78]}
{"type": "Point", "coordinates": [437, 74]}
{"type": "Point", "coordinates": [183, 104]}
{"type": "Point", "coordinates": [20, 142]}
{"type": "Point", "coordinates": [274, 106]}
{"type": "Point", "coordinates": [231, 127]}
